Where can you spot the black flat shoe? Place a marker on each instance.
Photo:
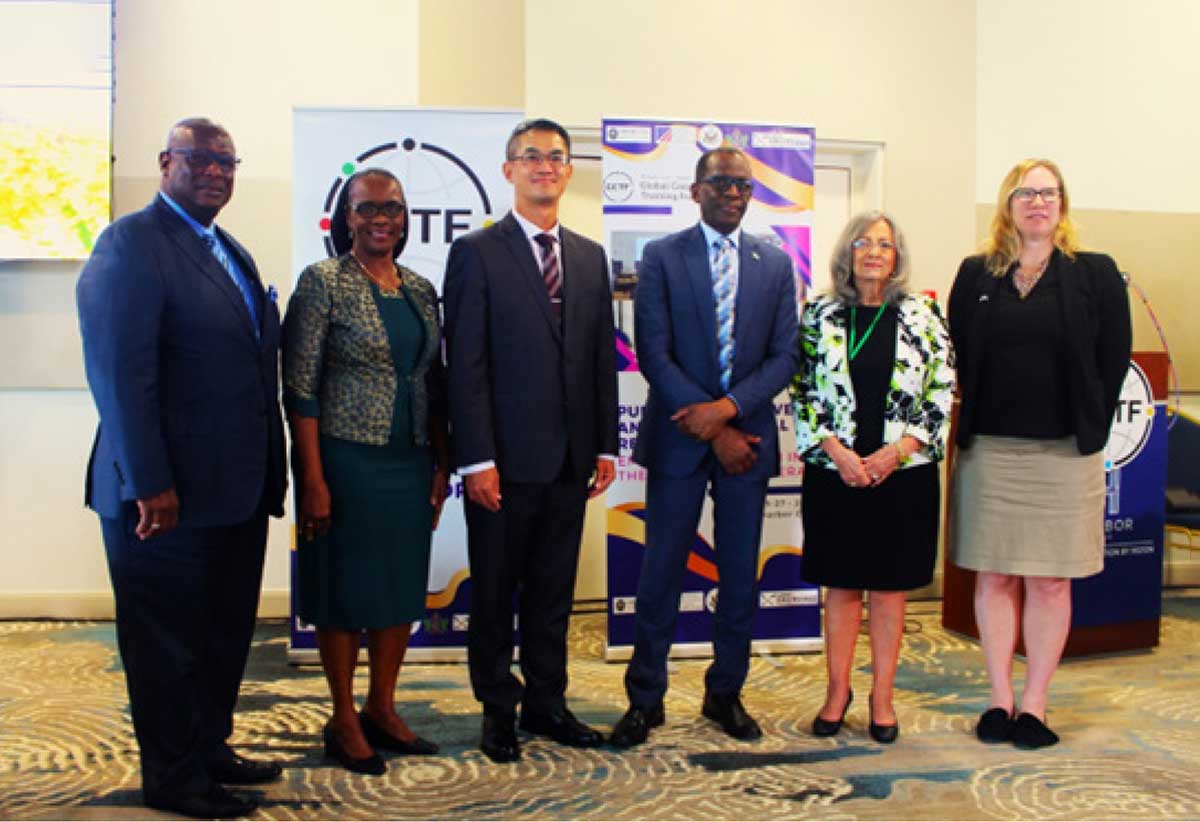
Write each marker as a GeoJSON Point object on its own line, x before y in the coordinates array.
{"type": "Point", "coordinates": [634, 727]}
{"type": "Point", "coordinates": [237, 770]}
{"type": "Point", "coordinates": [1029, 732]}
{"type": "Point", "coordinates": [379, 738]}
{"type": "Point", "coordinates": [563, 727]}
{"type": "Point", "coordinates": [370, 765]}
{"type": "Point", "coordinates": [995, 725]}
{"type": "Point", "coordinates": [215, 803]}
{"type": "Point", "coordinates": [499, 738]}
{"type": "Point", "coordinates": [728, 712]}
{"type": "Point", "coordinates": [883, 734]}
{"type": "Point", "coordinates": [827, 727]}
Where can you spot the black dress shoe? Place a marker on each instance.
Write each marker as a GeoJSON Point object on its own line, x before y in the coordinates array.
{"type": "Point", "coordinates": [829, 727]}
{"type": "Point", "coordinates": [634, 727]}
{"type": "Point", "coordinates": [1030, 732]}
{"type": "Point", "coordinates": [370, 765]}
{"type": "Point", "coordinates": [727, 711]}
{"type": "Point", "coordinates": [215, 803]}
{"type": "Point", "coordinates": [379, 738]}
{"type": "Point", "coordinates": [562, 727]}
{"type": "Point", "coordinates": [995, 725]}
{"type": "Point", "coordinates": [237, 770]}
{"type": "Point", "coordinates": [499, 738]}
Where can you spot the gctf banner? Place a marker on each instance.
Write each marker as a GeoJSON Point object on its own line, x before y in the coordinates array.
{"type": "Point", "coordinates": [649, 166]}
{"type": "Point", "coordinates": [449, 163]}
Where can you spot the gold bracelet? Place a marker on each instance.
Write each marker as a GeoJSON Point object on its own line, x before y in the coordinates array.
{"type": "Point", "coordinates": [901, 457]}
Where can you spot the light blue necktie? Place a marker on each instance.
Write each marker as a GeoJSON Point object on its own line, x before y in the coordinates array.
{"type": "Point", "coordinates": [725, 296]}
{"type": "Point", "coordinates": [239, 279]}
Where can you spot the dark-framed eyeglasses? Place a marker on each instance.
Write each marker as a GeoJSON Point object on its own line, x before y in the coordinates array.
{"type": "Point", "coordinates": [1028, 195]}
{"type": "Point", "coordinates": [721, 183]}
{"type": "Point", "coordinates": [367, 209]}
{"type": "Point", "coordinates": [533, 158]}
{"type": "Point", "coordinates": [199, 159]}
{"type": "Point", "coordinates": [866, 244]}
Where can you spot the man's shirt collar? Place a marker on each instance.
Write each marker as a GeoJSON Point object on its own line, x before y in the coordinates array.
{"type": "Point", "coordinates": [711, 235]}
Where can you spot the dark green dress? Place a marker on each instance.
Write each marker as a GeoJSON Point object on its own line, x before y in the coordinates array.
{"type": "Point", "coordinates": [371, 569]}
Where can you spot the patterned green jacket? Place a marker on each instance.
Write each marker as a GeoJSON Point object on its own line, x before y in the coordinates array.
{"type": "Point", "coordinates": [337, 360]}
{"type": "Point", "coordinates": [922, 384]}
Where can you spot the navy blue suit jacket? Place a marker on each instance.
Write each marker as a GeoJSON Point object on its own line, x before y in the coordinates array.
{"type": "Point", "coordinates": [187, 394]}
{"type": "Point", "coordinates": [676, 339]}
{"type": "Point", "coordinates": [525, 391]}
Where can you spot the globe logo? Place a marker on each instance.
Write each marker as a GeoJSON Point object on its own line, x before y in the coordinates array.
{"type": "Point", "coordinates": [1133, 420]}
{"type": "Point", "coordinates": [445, 197]}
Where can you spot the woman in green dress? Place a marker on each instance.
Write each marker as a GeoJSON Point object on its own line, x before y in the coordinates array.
{"type": "Point", "coordinates": [363, 388]}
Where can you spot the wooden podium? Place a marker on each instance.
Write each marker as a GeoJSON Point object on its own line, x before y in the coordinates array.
{"type": "Point", "coordinates": [1090, 597]}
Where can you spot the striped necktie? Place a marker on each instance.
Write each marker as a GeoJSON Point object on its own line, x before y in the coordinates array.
{"type": "Point", "coordinates": [551, 273]}
{"type": "Point", "coordinates": [726, 296]}
{"type": "Point", "coordinates": [235, 274]}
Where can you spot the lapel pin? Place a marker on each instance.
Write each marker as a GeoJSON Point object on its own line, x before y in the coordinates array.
{"type": "Point", "coordinates": [272, 294]}
{"type": "Point", "coordinates": [983, 298]}
{"type": "Point", "coordinates": [754, 254]}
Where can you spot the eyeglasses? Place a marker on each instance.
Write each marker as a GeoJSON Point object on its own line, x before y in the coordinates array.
{"type": "Point", "coordinates": [721, 183]}
{"type": "Point", "coordinates": [199, 159]}
{"type": "Point", "coordinates": [368, 210]}
{"type": "Point", "coordinates": [1028, 195]}
{"type": "Point", "coordinates": [533, 159]}
{"type": "Point", "coordinates": [866, 244]}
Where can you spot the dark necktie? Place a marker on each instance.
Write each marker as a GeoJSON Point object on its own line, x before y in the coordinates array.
{"type": "Point", "coordinates": [239, 279]}
{"type": "Point", "coordinates": [551, 273]}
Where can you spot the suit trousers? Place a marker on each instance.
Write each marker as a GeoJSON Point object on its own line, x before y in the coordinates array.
{"type": "Point", "coordinates": [530, 547]}
{"type": "Point", "coordinates": [186, 604]}
{"type": "Point", "coordinates": [673, 507]}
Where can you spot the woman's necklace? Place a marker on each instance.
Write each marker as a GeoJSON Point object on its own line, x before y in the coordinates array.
{"type": "Point", "coordinates": [855, 343]}
{"type": "Point", "coordinates": [1025, 281]}
{"type": "Point", "coordinates": [383, 282]}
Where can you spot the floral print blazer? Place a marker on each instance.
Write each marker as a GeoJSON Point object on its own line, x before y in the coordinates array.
{"type": "Point", "coordinates": [337, 358]}
{"type": "Point", "coordinates": [919, 397]}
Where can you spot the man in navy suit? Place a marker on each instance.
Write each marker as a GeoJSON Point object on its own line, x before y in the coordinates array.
{"type": "Point", "coordinates": [716, 338]}
{"type": "Point", "coordinates": [181, 347]}
{"type": "Point", "coordinates": [533, 409]}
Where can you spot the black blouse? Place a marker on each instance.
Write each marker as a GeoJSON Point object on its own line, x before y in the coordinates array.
{"type": "Point", "coordinates": [871, 374]}
{"type": "Point", "coordinates": [1023, 390]}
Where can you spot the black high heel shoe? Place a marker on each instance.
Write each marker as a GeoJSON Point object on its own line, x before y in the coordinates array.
{"type": "Point", "coordinates": [826, 727]}
{"type": "Point", "coordinates": [371, 765]}
{"type": "Point", "coordinates": [884, 734]}
{"type": "Point", "coordinates": [380, 738]}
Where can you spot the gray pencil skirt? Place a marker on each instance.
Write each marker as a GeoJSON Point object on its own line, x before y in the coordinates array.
{"type": "Point", "coordinates": [1028, 508]}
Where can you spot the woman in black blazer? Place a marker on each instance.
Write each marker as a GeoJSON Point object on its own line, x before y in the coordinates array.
{"type": "Point", "coordinates": [1042, 334]}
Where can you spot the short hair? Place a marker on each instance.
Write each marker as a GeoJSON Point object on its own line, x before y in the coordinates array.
{"type": "Point", "coordinates": [1003, 245]}
{"type": "Point", "coordinates": [535, 124]}
{"type": "Point", "coordinates": [339, 226]}
{"type": "Point", "coordinates": [199, 126]}
{"type": "Point", "coordinates": [702, 163]}
{"type": "Point", "coordinates": [841, 262]}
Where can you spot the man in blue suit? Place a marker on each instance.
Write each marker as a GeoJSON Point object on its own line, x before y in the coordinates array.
{"type": "Point", "coordinates": [716, 337]}
{"type": "Point", "coordinates": [181, 347]}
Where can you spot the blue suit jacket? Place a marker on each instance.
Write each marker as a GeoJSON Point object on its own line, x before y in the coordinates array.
{"type": "Point", "coordinates": [187, 394]}
{"type": "Point", "coordinates": [525, 391]}
{"type": "Point", "coordinates": [676, 340]}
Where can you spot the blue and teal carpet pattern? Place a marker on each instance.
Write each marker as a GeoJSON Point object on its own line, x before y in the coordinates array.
{"type": "Point", "coordinates": [1130, 750]}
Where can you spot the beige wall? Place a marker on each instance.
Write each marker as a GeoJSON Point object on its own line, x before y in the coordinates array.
{"type": "Point", "coordinates": [1106, 89]}
{"type": "Point", "coordinates": [902, 73]}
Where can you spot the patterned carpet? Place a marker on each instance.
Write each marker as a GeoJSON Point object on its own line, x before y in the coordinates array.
{"type": "Point", "coordinates": [1130, 726]}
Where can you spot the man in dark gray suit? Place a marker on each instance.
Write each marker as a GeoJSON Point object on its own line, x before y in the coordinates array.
{"type": "Point", "coordinates": [181, 347]}
{"type": "Point", "coordinates": [533, 410]}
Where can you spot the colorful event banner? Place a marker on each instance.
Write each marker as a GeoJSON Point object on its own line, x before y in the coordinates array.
{"type": "Point", "coordinates": [449, 163]}
{"type": "Point", "coordinates": [648, 169]}
{"type": "Point", "coordinates": [1130, 587]}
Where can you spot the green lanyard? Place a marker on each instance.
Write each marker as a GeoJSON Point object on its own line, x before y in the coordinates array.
{"type": "Point", "coordinates": [857, 344]}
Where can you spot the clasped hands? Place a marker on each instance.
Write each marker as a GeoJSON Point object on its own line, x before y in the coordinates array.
{"type": "Point", "coordinates": [709, 422]}
{"type": "Point", "coordinates": [863, 472]}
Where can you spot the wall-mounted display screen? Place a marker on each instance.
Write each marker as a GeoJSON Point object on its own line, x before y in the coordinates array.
{"type": "Point", "coordinates": [55, 126]}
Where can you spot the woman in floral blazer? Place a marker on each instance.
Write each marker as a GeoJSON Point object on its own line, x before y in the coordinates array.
{"type": "Point", "coordinates": [872, 407]}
